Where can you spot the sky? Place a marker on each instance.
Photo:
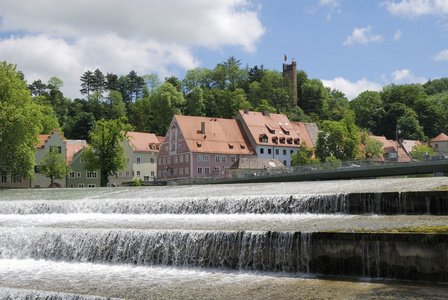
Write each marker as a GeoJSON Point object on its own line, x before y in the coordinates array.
{"type": "Point", "coordinates": [350, 45]}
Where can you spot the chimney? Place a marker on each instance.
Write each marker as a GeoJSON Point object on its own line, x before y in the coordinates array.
{"type": "Point", "coordinates": [266, 113]}
{"type": "Point", "coordinates": [203, 127]}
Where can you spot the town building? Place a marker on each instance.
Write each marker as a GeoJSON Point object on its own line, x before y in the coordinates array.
{"type": "Point", "coordinates": [273, 136]}
{"type": "Point", "coordinates": [440, 143]}
{"type": "Point", "coordinates": [201, 147]}
{"type": "Point", "coordinates": [252, 166]}
{"type": "Point", "coordinates": [141, 151]}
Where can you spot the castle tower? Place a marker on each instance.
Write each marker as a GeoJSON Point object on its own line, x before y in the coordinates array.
{"type": "Point", "coordinates": [290, 70]}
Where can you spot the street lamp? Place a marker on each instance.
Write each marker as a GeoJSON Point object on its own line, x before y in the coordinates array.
{"type": "Point", "coordinates": [397, 132]}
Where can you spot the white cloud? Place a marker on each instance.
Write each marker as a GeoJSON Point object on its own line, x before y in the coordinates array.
{"type": "Point", "coordinates": [66, 39]}
{"type": "Point", "coordinates": [362, 36]}
{"type": "Point", "coordinates": [397, 35]}
{"type": "Point", "coordinates": [331, 4]}
{"type": "Point", "coordinates": [405, 76]}
{"type": "Point", "coordinates": [417, 8]}
{"type": "Point", "coordinates": [352, 89]}
{"type": "Point", "coordinates": [442, 55]}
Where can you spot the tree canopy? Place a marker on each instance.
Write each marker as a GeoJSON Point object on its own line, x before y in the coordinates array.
{"type": "Point", "coordinates": [105, 153]}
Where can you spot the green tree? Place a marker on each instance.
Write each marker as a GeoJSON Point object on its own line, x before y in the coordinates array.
{"type": "Point", "coordinates": [314, 97]}
{"type": "Point", "coordinates": [115, 107]}
{"type": "Point", "coordinates": [195, 103]}
{"type": "Point", "coordinates": [105, 153]}
{"type": "Point", "coordinates": [19, 123]}
{"type": "Point", "coordinates": [368, 109]}
{"type": "Point", "coordinates": [304, 156]}
{"type": "Point", "coordinates": [165, 102]}
{"type": "Point", "coordinates": [418, 152]}
{"type": "Point", "coordinates": [87, 80]}
{"type": "Point", "coordinates": [372, 147]}
{"type": "Point", "coordinates": [140, 115]}
{"type": "Point", "coordinates": [54, 165]}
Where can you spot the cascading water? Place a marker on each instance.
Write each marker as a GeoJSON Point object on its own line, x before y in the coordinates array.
{"type": "Point", "coordinates": [143, 242]}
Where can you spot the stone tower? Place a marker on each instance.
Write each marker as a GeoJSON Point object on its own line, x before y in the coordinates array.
{"type": "Point", "coordinates": [290, 70]}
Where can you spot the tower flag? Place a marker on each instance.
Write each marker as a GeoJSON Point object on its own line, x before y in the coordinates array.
{"type": "Point", "coordinates": [286, 58]}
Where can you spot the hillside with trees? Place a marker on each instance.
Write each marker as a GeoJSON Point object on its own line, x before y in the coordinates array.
{"type": "Point", "coordinates": [148, 103]}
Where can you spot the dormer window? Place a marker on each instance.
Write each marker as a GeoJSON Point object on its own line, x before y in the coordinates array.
{"type": "Point", "coordinates": [271, 131]}
{"type": "Point", "coordinates": [275, 140]}
{"type": "Point", "coordinates": [263, 138]}
{"type": "Point", "coordinates": [282, 140]}
{"type": "Point", "coordinates": [297, 141]}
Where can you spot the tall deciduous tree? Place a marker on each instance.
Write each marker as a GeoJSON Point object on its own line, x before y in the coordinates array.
{"type": "Point", "coordinates": [54, 165]}
{"type": "Point", "coordinates": [105, 153]}
{"type": "Point", "coordinates": [195, 103]}
{"type": "Point", "coordinates": [166, 102]}
{"type": "Point", "coordinates": [19, 123]}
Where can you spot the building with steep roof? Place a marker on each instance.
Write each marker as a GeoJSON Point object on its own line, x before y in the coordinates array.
{"type": "Point", "coordinates": [141, 151]}
{"type": "Point", "coordinates": [47, 142]}
{"type": "Point", "coordinates": [201, 147]}
{"type": "Point", "coordinates": [273, 135]}
{"type": "Point", "coordinates": [440, 143]}
{"type": "Point", "coordinates": [253, 166]}
{"type": "Point", "coordinates": [393, 151]}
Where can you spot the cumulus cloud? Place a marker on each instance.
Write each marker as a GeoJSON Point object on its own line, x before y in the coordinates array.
{"type": "Point", "coordinates": [352, 89]}
{"type": "Point", "coordinates": [405, 76]}
{"type": "Point", "coordinates": [442, 55]}
{"type": "Point", "coordinates": [397, 35]}
{"type": "Point", "coordinates": [417, 8]}
{"type": "Point", "coordinates": [51, 38]}
{"type": "Point", "coordinates": [362, 36]}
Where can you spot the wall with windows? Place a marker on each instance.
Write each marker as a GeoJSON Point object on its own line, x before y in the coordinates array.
{"type": "Point", "coordinates": [281, 153]}
{"type": "Point", "coordinates": [79, 177]}
{"type": "Point", "coordinates": [207, 165]}
{"type": "Point", "coordinates": [56, 142]}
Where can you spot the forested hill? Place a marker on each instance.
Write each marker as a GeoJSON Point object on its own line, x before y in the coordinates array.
{"type": "Point", "coordinates": [420, 111]}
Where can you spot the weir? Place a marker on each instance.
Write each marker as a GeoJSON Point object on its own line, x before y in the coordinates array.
{"type": "Point", "coordinates": [292, 234]}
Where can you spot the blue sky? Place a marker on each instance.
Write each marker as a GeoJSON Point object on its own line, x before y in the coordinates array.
{"type": "Point", "coordinates": [350, 45]}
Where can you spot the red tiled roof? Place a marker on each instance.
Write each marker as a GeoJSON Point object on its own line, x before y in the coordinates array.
{"type": "Point", "coordinates": [441, 138]}
{"type": "Point", "coordinates": [224, 136]}
{"type": "Point", "coordinates": [143, 141]}
{"type": "Point", "coordinates": [43, 138]}
{"type": "Point", "coordinates": [72, 150]}
{"type": "Point", "coordinates": [274, 126]}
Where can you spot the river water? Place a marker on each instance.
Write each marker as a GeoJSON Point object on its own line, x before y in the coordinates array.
{"type": "Point", "coordinates": [150, 242]}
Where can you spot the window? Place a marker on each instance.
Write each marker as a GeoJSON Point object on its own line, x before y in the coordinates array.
{"type": "Point", "coordinates": [91, 174]}
{"type": "Point", "coordinates": [151, 160]}
{"type": "Point", "coordinates": [159, 173]}
{"type": "Point", "coordinates": [269, 151]}
{"type": "Point", "coordinates": [292, 152]}
{"type": "Point", "coordinates": [233, 159]}
{"type": "Point", "coordinates": [179, 147]}
{"type": "Point", "coordinates": [284, 162]}
{"type": "Point", "coordinates": [160, 161]}
{"type": "Point", "coordinates": [206, 158]}
{"type": "Point", "coordinates": [71, 174]}
{"type": "Point", "coordinates": [152, 173]}
{"type": "Point", "coordinates": [91, 185]}
{"type": "Point", "coordinates": [145, 178]}
{"type": "Point", "coordinates": [138, 173]}
{"type": "Point", "coordinates": [207, 170]}
{"type": "Point", "coordinates": [284, 151]}
{"type": "Point", "coordinates": [277, 152]}
{"type": "Point", "coordinates": [186, 158]}
{"type": "Point", "coordinates": [78, 174]}
{"type": "Point", "coordinates": [175, 172]}
{"type": "Point", "coordinates": [261, 150]}
{"type": "Point", "coordinates": [127, 173]}
{"type": "Point", "coordinates": [217, 158]}
{"type": "Point", "coordinates": [4, 177]}
{"type": "Point", "coordinates": [169, 160]}
{"type": "Point", "coordinates": [186, 171]}
{"type": "Point", "coordinates": [173, 146]}
{"type": "Point", "coordinates": [127, 160]}
{"type": "Point", "coordinates": [81, 185]}
{"type": "Point", "coordinates": [164, 161]}
{"type": "Point", "coordinates": [181, 159]}
{"type": "Point", "coordinates": [175, 159]}
{"type": "Point", "coordinates": [139, 160]}
{"type": "Point", "coordinates": [216, 169]}
{"type": "Point", "coordinates": [224, 159]}
{"type": "Point", "coordinates": [436, 146]}
{"type": "Point", "coordinates": [199, 158]}
{"type": "Point", "coordinates": [199, 170]}
{"type": "Point", "coordinates": [37, 169]}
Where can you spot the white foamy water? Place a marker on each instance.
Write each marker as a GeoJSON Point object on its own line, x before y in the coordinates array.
{"type": "Point", "coordinates": [188, 242]}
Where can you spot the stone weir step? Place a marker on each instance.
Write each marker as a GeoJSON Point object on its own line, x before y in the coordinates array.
{"type": "Point", "coordinates": [403, 256]}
